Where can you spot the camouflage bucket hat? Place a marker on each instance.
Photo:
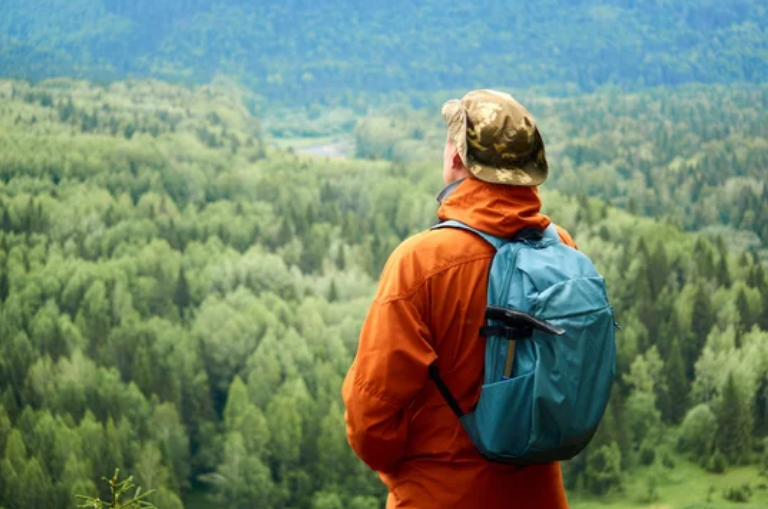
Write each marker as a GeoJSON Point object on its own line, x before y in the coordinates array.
{"type": "Point", "coordinates": [497, 138]}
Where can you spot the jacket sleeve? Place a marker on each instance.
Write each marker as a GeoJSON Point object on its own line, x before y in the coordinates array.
{"type": "Point", "coordinates": [390, 368]}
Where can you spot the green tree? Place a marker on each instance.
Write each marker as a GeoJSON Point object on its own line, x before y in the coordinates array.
{"type": "Point", "coordinates": [734, 423]}
{"type": "Point", "coordinates": [95, 315]}
{"type": "Point", "coordinates": [45, 331]}
{"type": "Point", "coordinates": [181, 296]}
{"type": "Point", "coordinates": [642, 417]}
{"type": "Point", "coordinates": [702, 321]}
{"type": "Point", "coordinates": [333, 292]}
{"type": "Point", "coordinates": [151, 473]}
{"type": "Point", "coordinates": [5, 287]}
{"type": "Point", "coordinates": [5, 427]}
{"type": "Point", "coordinates": [333, 450]}
{"type": "Point", "coordinates": [166, 499]}
{"type": "Point", "coordinates": [242, 480]}
{"type": "Point", "coordinates": [698, 433]}
{"type": "Point", "coordinates": [364, 503]}
{"type": "Point", "coordinates": [745, 313]}
{"type": "Point", "coordinates": [12, 467]}
{"type": "Point", "coordinates": [266, 370]}
{"type": "Point", "coordinates": [723, 273]}
{"type": "Point", "coordinates": [341, 259]}
{"type": "Point", "coordinates": [76, 479]}
{"type": "Point", "coordinates": [244, 417]}
{"type": "Point", "coordinates": [327, 500]}
{"type": "Point", "coordinates": [173, 441]}
{"type": "Point", "coordinates": [603, 473]}
{"type": "Point", "coordinates": [6, 224]}
{"type": "Point", "coordinates": [677, 387]}
{"type": "Point", "coordinates": [35, 488]}
{"type": "Point", "coordinates": [286, 427]}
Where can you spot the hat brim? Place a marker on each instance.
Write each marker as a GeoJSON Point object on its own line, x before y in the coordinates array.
{"type": "Point", "coordinates": [455, 117]}
{"type": "Point", "coordinates": [532, 173]}
{"type": "Point", "coordinates": [529, 174]}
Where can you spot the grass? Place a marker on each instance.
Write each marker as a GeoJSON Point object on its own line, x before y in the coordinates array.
{"type": "Point", "coordinates": [685, 486]}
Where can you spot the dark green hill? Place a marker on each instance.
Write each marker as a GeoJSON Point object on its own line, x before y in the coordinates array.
{"type": "Point", "coordinates": [307, 50]}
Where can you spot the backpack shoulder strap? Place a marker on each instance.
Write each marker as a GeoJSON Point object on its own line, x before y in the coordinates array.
{"type": "Point", "coordinates": [496, 242]}
{"type": "Point", "coordinates": [434, 372]}
{"type": "Point", "coordinates": [550, 232]}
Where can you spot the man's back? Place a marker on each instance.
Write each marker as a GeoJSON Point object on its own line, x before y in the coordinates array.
{"type": "Point", "coordinates": [429, 308]}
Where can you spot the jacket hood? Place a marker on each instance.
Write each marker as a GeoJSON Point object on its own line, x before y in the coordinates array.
{"type": "Point", "coordinates": [499, 210]}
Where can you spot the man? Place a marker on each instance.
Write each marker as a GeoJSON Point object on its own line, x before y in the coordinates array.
{"type": "Point", "coordinates": [429, 308]}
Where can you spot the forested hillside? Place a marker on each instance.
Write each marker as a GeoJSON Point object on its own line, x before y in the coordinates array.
{"type": "Point", "coordinates": [697, 156]}
{"type": "Point", "coordinates": [331, 51]}
{"type": "Point", "coordinates": [181, 302]}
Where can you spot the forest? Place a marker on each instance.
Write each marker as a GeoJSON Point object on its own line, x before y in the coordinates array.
{"type": "Point", "coordinates": [180, 300]}
{"type": "Point", "coordinates": [334, 51]}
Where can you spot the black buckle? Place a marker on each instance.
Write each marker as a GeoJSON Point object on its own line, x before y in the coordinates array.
{"type": "Point", "coordinates": [521, 321]}
{"type": "Point", "coordinates": [517, 325]}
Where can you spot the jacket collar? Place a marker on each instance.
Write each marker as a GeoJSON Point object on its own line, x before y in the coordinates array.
{"type": "Point", "coordinates": [496, 209]}
{"type": "Point", "coordinates": [447, 190]}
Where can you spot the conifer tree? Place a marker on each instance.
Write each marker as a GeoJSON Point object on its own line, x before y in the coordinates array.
{"type": "Point", "coordinates": [734, 424]}
{"type": "Point", "coordinates": [4, 283]}
{"type": "Point", "coordinates": [703, 256]}
{"type": "Point", "coordinates": [121, 496]}
{"type": "Point", "coordinates": [341, 261]}
{"type": "Point", "coordinates": [756, 277]}
{"type": "Point", "coordinates": [333, 292]}
{"type": "Point", "coordinates": [285, 233]}
{"type": "Point", "coordinates": [745, 313]}
{"type": "Point", "coordinates": [676, 395]}
{"type": "Point", "coordinates": [658, 270]}
{"type": "Point", "coordinates": [702, 321]}
{"type": "Point", "coordinates": [6, 224]}
{"type": "Point", "coordinates": [35, 488]}
{"type": "Point", "coordinates": [603, 472]}
{"type": "Point", "coordinates": [723, 274]}
{"type": "Point", "coordinates": [761, 406]}
{"type": "Point", "coordinates": [762, 286]}
{"type": "Point", "coordinates": [181, 297]}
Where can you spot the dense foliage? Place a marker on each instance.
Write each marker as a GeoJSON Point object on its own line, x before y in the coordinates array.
{"type": "Point", "coordinates": [182, 303]}
{"type": "Point", "coordinates": [174, 305]}
{"type": "Point", "coordinates": [310, 50]}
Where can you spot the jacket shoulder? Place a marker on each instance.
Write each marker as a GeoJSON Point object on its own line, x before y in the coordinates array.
{"type": "Point", "coordinates": [422, 256]}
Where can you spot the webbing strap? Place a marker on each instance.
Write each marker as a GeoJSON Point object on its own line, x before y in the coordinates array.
{"type": "Point", "coordinates": [434, 374]}
{"type": "Point", "coordinates": [496, 242]}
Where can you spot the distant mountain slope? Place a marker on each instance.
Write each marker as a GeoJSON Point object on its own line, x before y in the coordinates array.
{"type": "Point", "coordinates": [309, 50]}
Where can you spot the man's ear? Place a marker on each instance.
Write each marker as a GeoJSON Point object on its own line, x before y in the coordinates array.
{"type": "Point", "coordinates": [457, 162]}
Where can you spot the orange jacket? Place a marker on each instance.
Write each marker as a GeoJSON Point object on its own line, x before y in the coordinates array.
{"type": "Point", "coordinates": [429, 307]}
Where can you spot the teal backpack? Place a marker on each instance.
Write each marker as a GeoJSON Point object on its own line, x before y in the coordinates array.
{"type": "Point", "coordinates": [550, 356]}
